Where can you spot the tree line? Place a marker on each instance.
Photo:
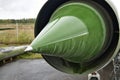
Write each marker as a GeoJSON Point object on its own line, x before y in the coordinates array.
{"type": "Point", "coordinates": [7, 21]}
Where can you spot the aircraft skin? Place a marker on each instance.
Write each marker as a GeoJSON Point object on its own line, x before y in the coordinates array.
{"type": "Point", "coordinates": [67, 64]}
{"type": "Point", "coordinates": [8, 52]}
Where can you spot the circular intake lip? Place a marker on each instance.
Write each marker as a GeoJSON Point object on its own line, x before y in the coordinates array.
{"type": "Point", "coordinates": [70, 67]}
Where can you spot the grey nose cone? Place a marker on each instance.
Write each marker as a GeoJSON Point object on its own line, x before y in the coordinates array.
{"type": "Point", "coordinates": [29, 48]}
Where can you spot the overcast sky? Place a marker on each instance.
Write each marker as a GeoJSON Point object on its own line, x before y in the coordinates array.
{"type": "Point", "coordinates": [16, 9]}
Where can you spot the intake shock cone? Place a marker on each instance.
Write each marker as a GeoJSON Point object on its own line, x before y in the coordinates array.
{"type": "Point", "coordinates": [77, 34]}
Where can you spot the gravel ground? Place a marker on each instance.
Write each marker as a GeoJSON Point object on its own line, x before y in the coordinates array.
{"type": "Point", "coordinates": [34, 70]}
{"type": "Point", "coordinates": [40, 70]}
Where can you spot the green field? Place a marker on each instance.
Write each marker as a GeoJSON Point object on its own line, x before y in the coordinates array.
{"type": "Point", "coordinates": [21, 34]}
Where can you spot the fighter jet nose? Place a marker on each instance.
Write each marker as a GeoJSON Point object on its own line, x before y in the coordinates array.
{"type": "Point", "coordinates": [73, 37]}
{"type": "Point", "coordinates": [78, 36]}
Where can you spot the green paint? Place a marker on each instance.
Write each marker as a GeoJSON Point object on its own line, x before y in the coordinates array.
{"type": "Point", "coordinates": [76, 32]}
{"type": "Point", "coordinates": [9, 52]}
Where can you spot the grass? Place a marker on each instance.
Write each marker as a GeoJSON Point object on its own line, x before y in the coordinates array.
{"type": "Point", "coordinates": [29, 56]}
{"type": "Point", "coordinates": [25, 36]}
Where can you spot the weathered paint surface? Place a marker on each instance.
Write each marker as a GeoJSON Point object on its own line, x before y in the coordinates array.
{"type": "Point", "coordinates": [76, 32]}
{"type": "Point", "coordinates": [11, 52]}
